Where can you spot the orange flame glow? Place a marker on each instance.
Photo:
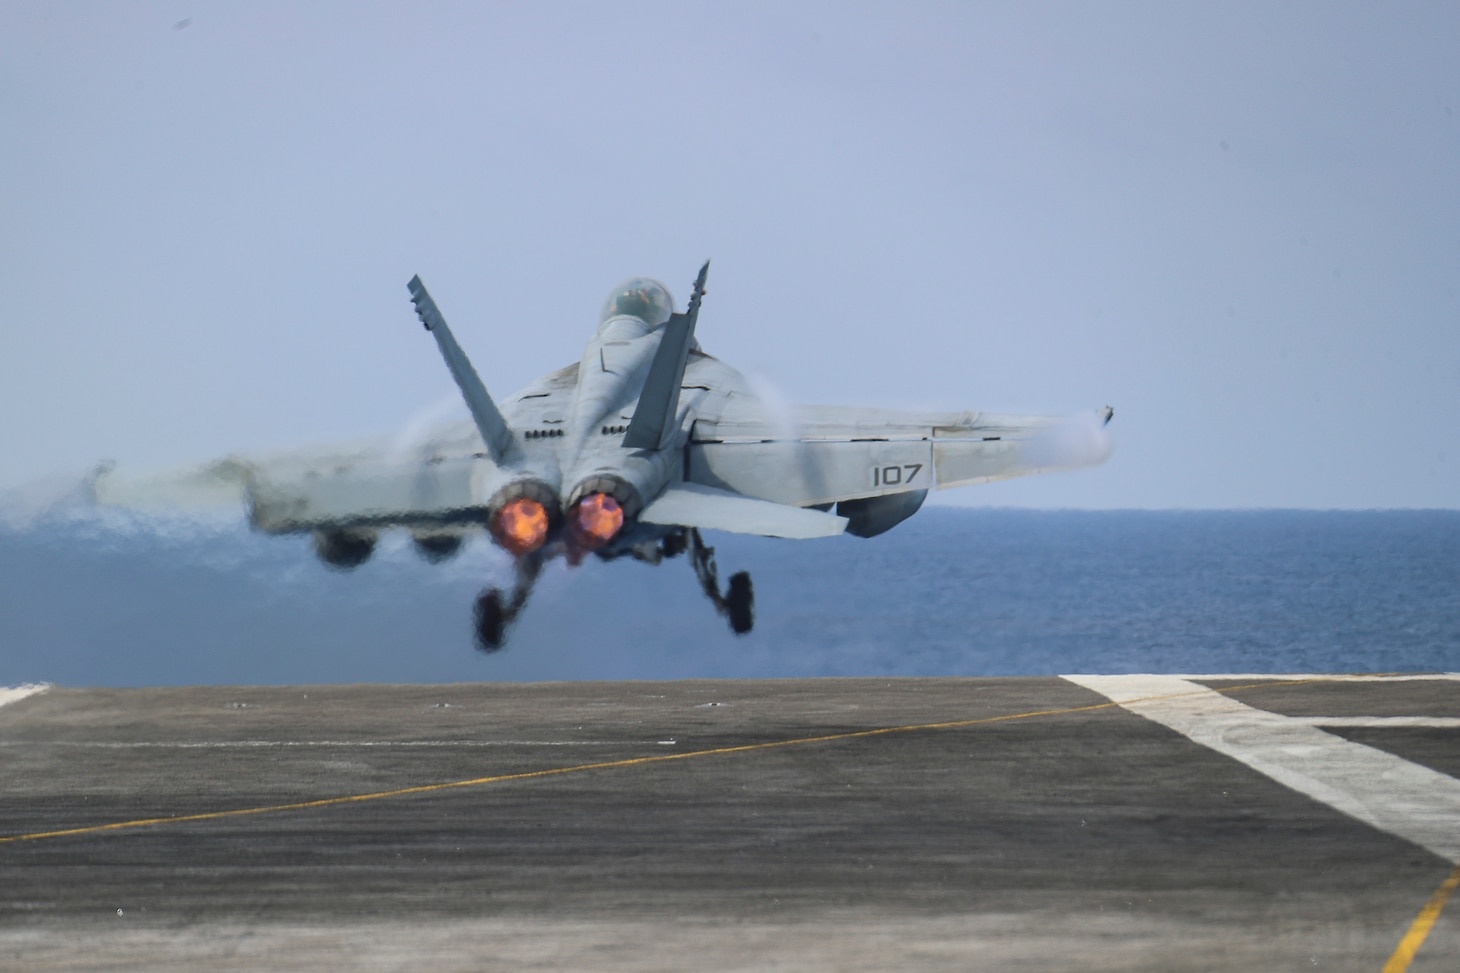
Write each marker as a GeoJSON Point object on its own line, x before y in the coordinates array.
{"type": "Point", "coordinates": [597, 518]}
{"type": "Point", "coordinates": [521, 526]}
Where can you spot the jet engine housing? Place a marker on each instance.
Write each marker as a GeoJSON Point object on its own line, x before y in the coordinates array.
{"type": "Point", "coordinates": [437, 546]}
{"type": "Point", "coordinates": [344, 548]}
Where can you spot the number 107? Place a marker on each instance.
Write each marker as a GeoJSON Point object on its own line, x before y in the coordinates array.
{"type": "Point", "coordinates": [895, 475]}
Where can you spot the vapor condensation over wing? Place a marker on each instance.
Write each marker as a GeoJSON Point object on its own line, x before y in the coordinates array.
{"type": "Point", "coordinates": [1071, 442]}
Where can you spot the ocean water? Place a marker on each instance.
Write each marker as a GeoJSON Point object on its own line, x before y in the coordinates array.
{"type": "Point", "coordinates": [88, 601]}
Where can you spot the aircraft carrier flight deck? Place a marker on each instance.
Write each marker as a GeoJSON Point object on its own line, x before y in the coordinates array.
{"type": "Point", "coordinates": [1172, 823]}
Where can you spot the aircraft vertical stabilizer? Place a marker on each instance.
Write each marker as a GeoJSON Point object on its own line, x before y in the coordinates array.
{"type": "Point", "coordinates": [494, 429]}
{"type": "Point", "coordinates": [653, 424]}
{"type": "Point", "coordinates": [573, 480]}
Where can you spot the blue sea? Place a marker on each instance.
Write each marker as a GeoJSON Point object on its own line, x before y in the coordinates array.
{"type": "Point", "coordinates": [127, 602]}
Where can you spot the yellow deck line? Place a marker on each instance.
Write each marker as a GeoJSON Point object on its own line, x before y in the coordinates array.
{"type": "Point", "coordinates": [550, 772]}
{"type": "Point", "coordinates": [1400, 962]}
{"type": "Point", "coordinates": [603, 765]}
{"type": "Point", "coordinates": [1419, 930]}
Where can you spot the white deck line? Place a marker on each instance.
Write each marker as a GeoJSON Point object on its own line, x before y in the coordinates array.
{"type": "Point", "coordinates": [1325, 676]}
{"type": "Point", "coordinates": [1392, 794]}
{"type": "Point", "coordinates": [1438, 722]}
{"type": "Point", "coordinates": [15, 695]}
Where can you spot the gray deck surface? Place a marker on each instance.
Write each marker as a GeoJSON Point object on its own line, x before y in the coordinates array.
{"type": "Point", "coordinates": [1087, 840]}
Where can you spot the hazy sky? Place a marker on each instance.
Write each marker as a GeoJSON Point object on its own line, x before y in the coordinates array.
{"type": "Point", "coordinates": [1239, 224]}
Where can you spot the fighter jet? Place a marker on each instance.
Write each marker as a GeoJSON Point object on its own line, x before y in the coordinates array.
{"type": "Point", "coordinates": [631, 451]}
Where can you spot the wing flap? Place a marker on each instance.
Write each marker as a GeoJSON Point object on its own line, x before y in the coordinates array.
{"type": "Point", "coordinates": [829, 454]}
{"type": "Point", "coordinates": [1020, 446]}
{"type": "Point", "coordinates": [696, 505]}
{"type": "Point", "coordinates": [813, 472]}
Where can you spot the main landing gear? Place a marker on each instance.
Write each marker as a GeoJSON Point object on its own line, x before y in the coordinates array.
{"type": "Point", "coordinates": [738, 601]}
{"type": "Point", "coordinates": [495, 611]}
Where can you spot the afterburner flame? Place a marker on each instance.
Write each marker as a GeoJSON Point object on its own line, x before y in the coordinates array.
{"type": "Point", "coordinates": [521, 526]}
{"type": "Point", "coordinates": [597, 518]}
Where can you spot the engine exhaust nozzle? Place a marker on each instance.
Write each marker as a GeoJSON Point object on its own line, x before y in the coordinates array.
{"type": "Point", "coordinates": [521, 526]}
{"type": "Point", "coordinates": [595, 520]}
{"type": "Point", "coordinates": [523, 516]}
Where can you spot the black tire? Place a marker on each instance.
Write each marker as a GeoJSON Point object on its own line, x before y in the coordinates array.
{"type": "Point", "coordinates": [674, 544]}
{"type": "Point", "coordinates": [491, 621]}
{"type": "Point", "coordinates": [740, 600]}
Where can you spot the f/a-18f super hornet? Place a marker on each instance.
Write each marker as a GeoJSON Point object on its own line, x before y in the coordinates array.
{"type": "Point", "coordinates": [631, 451]}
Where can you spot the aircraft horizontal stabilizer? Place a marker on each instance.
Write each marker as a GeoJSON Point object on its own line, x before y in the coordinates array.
{"type": "Point", "coordinates": [696, 505]}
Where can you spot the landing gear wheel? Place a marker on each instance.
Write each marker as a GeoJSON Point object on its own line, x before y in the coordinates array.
{"type": "Point", "coordinates": [674, 544]}
{"type": "Point", "coordinates": [491, 621]}
{"type": "Point", "coordinates": [740, 602]}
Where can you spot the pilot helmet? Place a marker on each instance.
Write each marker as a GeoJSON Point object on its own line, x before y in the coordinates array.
{"type": "Point", "coordinates": [639, 297]}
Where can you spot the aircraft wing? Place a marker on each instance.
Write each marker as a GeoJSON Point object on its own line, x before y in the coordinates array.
{"type": "Point", "coordinates": [219, 485]}
{"type": "Point", "coordinates": [373, 484]}
{"type": "Point", "coordinates": [826, 455]}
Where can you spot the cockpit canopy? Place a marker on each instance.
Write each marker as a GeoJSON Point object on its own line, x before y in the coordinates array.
{"type": "Point", "coordinates": [639, 297]}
